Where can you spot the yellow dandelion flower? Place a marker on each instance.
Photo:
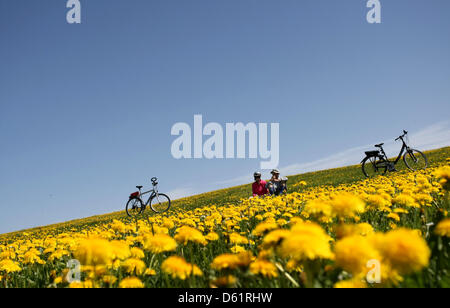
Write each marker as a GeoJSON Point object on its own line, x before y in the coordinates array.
{"type": "Point", "coordinates": [405, 200]}
{"type": "Point", "coordinates": [168, 223]}
{"type": "Point", "coordinates": [237, 249]}
{"type": "Point", "coordinates": [346, 205]}
{"type": "Point", "coordinates": [150, 272]}
{"type": "Point", "coordinates": [94, 252]}
{"type": "Point", "coordinates": [405, 250]}
{"type": "Point", "coordinates": [88, 284]}
{"type": "Point", "coordinates": [121, 250]}
{"type": "Point", "coordinates": [264, 268]}
{"type": "Point", "coordinates": [187, 234]}
{"type": "Point", "coordinates": [224, 261]}
{"type": "Point", "coordinates": [212, 236]}
{"type": "Point", "coordinates": [275, 237]}
{"type": "Point", "coordinates": [264, 227]}
{"type": "Point", "coordinates": [118, 226]}
{"type": "Point", "coordinates": [236, 238]}
{"type": "Point", "coordinates": [401, 211]}
{"type": "Point", "coordinates": [232, 261]}
{"type": "Point", "coordinates": [423, 198]}
{"type": "Point", "coordinates": [394, 216]}
{"type": "Point", "coordinates": [32, 257]}
{"type": "Point", "coordinates": [131, 283]}
{"type": "Point", "coordinates": [351, 284]}
{"type": "Point", "coordinates": [345, 230]}
{"type": "Point", "coordinates": [307, 241]}
{"type": "Point", "coordinates": [177, 267]}
{"type": "Point", "coordinates": [352, 254]}
{"type": "Point", "coordinates": [159, 243]}
{"type": "Point", "coordinates": [443, 228]}
{"type": "Point", "coordinates": [444, 175]}
{"type": "Point", "coordinates": [7, 255]}
{"type": "Point", "coordinates": [58, 254]}
{"type": "Point", "coordinates": [58, 280]}
{"type": "Point", "coordinates": [318, 208]}
{"type": "Point", "coordinates": [135, 266]}
{"type": "Point", "coordinates": [377, 202]}
{"type": "Point", "coordinates": [137, 253]}
{"type": "Point", "coordinates": [225, 281]}
{"type": "Point", "coordinates": [109, 279]}
{"type": "Point", "coordinates": [293, 266]}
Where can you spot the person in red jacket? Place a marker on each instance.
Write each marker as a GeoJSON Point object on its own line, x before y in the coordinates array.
{"type": "Point", "coordinates": [259, 186]}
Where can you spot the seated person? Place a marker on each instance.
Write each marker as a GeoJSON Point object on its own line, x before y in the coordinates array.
{"type": "Point", "coordinates": [277, 185]}
{"type": "Point", "coordinates": [259, 186]}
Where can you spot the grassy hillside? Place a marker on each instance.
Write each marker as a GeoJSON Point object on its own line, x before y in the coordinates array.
{"type": "Point", "coordinates": [323, 233]}
{"type": "Point", "coordinates": [332, 177]}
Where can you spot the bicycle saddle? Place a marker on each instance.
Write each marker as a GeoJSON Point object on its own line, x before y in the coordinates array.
{"type": "Point", "coordinates": [379, 145]}
{"type": "Point", "coordinates": [139, 187]}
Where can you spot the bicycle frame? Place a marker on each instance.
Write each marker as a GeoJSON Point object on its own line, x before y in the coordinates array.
{"type": "Point", "coordinates": [404, 148]}
{"type": "Point", "coordinates": [154, 193]}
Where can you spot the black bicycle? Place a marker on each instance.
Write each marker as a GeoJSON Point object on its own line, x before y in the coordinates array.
{"type": "Point", "coordinates": [377, 163]}
{"type": "Point", "coordinates": [159, 203]}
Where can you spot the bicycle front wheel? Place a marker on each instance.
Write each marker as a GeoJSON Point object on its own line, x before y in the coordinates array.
{"type": "Point", "coordinates": [415, 160]}
{"type": "Point", "coordinates": [160, 203]}
{"type": "Point", "coordinates": [374, 166]}
{"type": "Point", "coordinates": [134, 207]}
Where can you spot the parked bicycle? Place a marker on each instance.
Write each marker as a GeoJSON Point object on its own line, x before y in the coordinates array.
{"type": "Point", "coordinates": [159, 203]}
{"type": "Point", "coordinates": [377, 163]}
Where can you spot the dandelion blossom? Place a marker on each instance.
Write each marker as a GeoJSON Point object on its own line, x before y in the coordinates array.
{"type": "Point", "coordinates": [307, 241]}
{"type": "Point", "coordinates": [444, 175]}
{"type": "Point", "coordinates": [443, 228]}
{"type": "Point", "coordinates": [264, 268]}
{"type": "Point", "coordinates": [177, 267]}
{"type": "Point", "coordinates": [405, 250]}
{"type": "Point", "coordinates": [187, 234]}
{"type": "Point", "coordinates": [94, 252]}
{"type": "Point", "coordinates": [352, 254]}
{"type": "Point", "coordinates": [347, 205]}
{"type": "Point", "coordinates": [159, 243]}
{"type": "Point", "coordinates": [136, 266]}
{"type": "Point", "coordinates": [131, 283]}
{"type": "Point", "coordinates": [9, 266]}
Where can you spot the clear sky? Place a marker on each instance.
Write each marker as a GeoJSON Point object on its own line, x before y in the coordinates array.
{"type": "Point", "coordinates": [86, 110]}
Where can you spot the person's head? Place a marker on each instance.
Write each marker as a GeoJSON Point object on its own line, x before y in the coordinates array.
{"type": "Point", "coordinates": [257, 176]}
{"type": "Point", "coordinates": [275, 173]}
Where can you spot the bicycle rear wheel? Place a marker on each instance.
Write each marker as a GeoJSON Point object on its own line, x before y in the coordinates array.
{"type": "Point", "coordinates": [415, 160]}
{"type": "Point", "coordinates": [134, 207]}
{"type": "Point", "coordinates": [160, 203]}
{"type": "Point", "coordinates": [374, 166]}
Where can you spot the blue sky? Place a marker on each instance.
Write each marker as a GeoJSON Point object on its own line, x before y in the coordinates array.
{"type": "Point", "coordinates": [86, 110]}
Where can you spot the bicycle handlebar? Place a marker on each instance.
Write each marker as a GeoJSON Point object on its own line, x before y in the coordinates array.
{"type": "Point", "coordinates": [404, 134]}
